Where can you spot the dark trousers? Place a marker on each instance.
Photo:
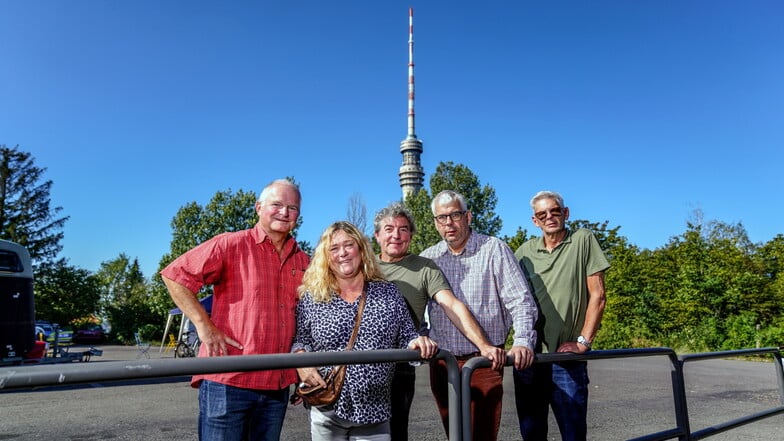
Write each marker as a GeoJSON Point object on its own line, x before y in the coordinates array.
{"type": "Point", "coordinates": [562, 386]}
{"type": "Point", "coordinates": [403, 386]}
{"type": "Point", "coordinates": [487, 393]}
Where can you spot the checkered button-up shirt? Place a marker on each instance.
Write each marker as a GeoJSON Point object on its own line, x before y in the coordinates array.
{"type": "Point", "coordinates": [488, 279]}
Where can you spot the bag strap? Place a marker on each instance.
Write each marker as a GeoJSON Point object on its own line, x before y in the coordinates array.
{"type": "Point", "coordinates": [360, 310]}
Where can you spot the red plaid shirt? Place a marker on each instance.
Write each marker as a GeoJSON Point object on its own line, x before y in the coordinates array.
{"type": "Point", "coordinates": [255, 296]}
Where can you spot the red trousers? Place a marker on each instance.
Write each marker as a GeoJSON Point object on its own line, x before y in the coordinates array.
{"type": "Point", "coordinates": [487, 393]}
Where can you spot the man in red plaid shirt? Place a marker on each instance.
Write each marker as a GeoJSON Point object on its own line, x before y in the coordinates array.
{"type": "Point", "coordinates": [255, 274]}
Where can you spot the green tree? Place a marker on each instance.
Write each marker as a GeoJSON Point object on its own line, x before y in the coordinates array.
{"type": "Point", "coordinates": [26, 214]}
{"type": "Point", "coordinates": [126, 298]}
{"type": "Point", "coordinates": [711, 290]}
{"type": "Point", "coordinates": [481, 201]}
{"type": "Point", "coordinates": [426, 234]}
{"type": "Point", "coordinates": [194, 224]}
{"type": "Point", "coordinates": [64, 293]}
{"type": "Point", "coordinates": [770, 258]}
{"type": "Point", "coordinates": [519, 238]}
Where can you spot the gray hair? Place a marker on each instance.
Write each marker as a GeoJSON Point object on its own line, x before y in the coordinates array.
{"type": "Point", "coordinates": [395, 209]}
{"type": "Point", "coordinates": [279, 182]}
{"type": "Point", "coordinates": [447, 197]}
{"type": "Point", "coordinates": [546, 194]}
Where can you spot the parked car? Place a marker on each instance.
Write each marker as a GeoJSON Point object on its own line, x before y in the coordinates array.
{"type": "Point", "coordinates": [89, 334]}
{"type": "Point", "coordinates": [45, 328]}
{"type": "Point", "coordinates": [64, 335]}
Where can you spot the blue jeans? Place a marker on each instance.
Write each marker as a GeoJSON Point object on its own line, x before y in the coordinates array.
{"type": "Point", "coordinates": [228, 413]}
{"type": "Point", "coordinates": [562, 386]}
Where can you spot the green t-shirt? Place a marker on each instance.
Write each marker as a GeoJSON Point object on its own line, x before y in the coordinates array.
{"type": "Point", "coordinates": [558, 279]}
{"type": "Point", "coordinates": [418, 279]}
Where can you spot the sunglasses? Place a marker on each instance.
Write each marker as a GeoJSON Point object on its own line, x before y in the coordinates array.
{"type": "Point", "coordinates": [554, 212]}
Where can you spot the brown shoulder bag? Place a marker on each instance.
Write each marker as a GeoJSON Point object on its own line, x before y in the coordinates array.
{"type": "Point", "coordinates": [322, 396]}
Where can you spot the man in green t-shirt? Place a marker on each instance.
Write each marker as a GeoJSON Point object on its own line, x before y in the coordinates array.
{"type": "Point", "coordinates": [566, 272]}
{"type": "Point", "coordinates": [419, 280]}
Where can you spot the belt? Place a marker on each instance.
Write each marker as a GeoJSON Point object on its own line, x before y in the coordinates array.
{"type": "Point", "coordinates": [465, 357]}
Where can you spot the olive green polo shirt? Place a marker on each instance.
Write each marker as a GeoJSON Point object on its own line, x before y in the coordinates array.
{"type": "Point", "coordinates": [558, 279]}
{"type": "Point", "coordinates": [418, 279]}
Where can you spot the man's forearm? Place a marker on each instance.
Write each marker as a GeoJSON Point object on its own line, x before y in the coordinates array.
{"type": "Point", "coordinates": [466, 323]}
{"type": "Point", "coordinates": [596, 303]}
{"type": "Point", "coordinates": [187, 301]}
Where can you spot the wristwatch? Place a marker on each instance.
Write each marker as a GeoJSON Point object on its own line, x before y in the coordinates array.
{"type": "Point", "coordinates": [583, 341]}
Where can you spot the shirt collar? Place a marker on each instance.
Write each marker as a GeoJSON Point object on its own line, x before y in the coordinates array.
{"type": "Point", "coordinates": [472, 244]}
{"type": "Point", "coordinates": [540, 246]}
{"type": "Point", "coordinates": [260, 236]}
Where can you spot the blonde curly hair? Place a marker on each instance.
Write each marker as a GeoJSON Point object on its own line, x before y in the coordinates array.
{"type": "Point", "coordinates": [319, 280]}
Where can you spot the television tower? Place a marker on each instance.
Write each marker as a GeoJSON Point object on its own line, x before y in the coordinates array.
{"type": "Point", "coordinates": [411, 172]}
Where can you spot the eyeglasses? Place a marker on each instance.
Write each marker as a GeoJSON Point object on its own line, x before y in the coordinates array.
{"type": "Point", "coordinates": [455, 216]}
{"type": "Point", "coordinates": [554, 212]}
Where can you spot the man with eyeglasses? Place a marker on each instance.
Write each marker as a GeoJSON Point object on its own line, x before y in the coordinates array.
{"type": "Point", "coordinates": [566, 270]}
{"type": "Point", "coordinates": [486, 277]}
{"type": "Point", "coordinates": [419, 280]}
{"type": "Point", "coordinates": [255, 274]}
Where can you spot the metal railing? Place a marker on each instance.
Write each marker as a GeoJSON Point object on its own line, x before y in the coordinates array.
{"type": "Point", "coordinates": [75, 373]}
{"type": "Point", "coordinates": [719, 428]}
{"type": "Point", "coordinates": [458, 379]}
{"type": "Point", "coordinates": [682, 431]}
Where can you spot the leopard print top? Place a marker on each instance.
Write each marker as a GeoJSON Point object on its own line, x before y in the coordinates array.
{"type": "Point", "coordinates": [386, 324]}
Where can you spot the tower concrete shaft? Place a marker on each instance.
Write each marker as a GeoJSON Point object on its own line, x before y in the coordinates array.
{"type": "Point", "coordinates": [411, 172]}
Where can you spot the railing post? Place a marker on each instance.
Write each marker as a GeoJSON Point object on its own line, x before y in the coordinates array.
{"type": "Point", "coordinates": [679, 397]}
{"type": "Point", "coordinates": [779, 374]}
{"type": "Point", "coordinates": [454, 395]}
{"type": "Point", "coordinates": [465, 378]}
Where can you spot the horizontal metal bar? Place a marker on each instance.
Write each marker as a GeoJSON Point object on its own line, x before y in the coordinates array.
{"type": "Point", "coordinates": [723, 427]}
{"type": "Point", "coordinates": [725, 354]}
{"type": "Point", "coordinates": [26, 376]}
{"type": "Point", "coordinates": [661, 436]}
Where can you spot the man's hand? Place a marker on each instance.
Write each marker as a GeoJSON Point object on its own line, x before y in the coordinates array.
{"type": "Point", "coordinates": [216, 341]}
{"type": "Point", "coordinates": [572, 346]}
{"type": "Point", "coordinates": [523, 357]}
{"type": "Point", "coordinates": [496, 355]}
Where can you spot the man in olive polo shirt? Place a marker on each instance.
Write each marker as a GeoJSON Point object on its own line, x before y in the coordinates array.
{"type": "Point", "coordinates": [566, 271]}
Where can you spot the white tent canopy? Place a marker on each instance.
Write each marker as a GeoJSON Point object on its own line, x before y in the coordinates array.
{"type": "Point", "coordinates": [205, 302]}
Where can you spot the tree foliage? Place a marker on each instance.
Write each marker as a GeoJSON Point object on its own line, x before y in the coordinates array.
{"type": "Point", "coordinates": [26, 214]}
{"type": "Point", "coordinates": [707, 289]}
{"type": "Point", "coordinates": [126, 299]}
{"type": "Point", "coordinates": [194, 224]}
{"type": "Point", "coordinates": [64, 293]}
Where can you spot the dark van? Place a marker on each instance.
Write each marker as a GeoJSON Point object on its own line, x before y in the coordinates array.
{"type": "Point", "coordinates": [17, 307]}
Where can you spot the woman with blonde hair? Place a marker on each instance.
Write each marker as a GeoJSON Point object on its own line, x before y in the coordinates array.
{"type": "Point", "coordinates": [342, 269]}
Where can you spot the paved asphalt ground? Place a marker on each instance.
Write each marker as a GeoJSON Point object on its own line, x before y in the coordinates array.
{"type": "Point", "coordinates": [629, 398]}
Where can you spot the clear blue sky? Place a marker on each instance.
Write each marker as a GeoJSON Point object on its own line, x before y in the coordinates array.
{"type": "Point", "coordinates": [639, 112]}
